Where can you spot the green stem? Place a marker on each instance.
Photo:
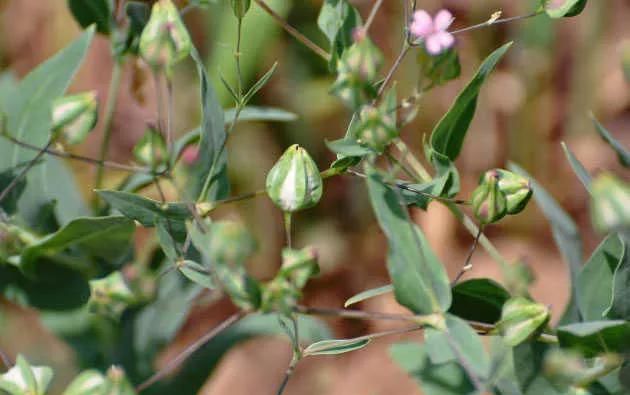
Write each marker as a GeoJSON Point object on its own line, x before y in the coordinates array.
{"type": "Point", "coordinates": [110, 108]}
{"type": "Point", "coordinates": [287, 227]}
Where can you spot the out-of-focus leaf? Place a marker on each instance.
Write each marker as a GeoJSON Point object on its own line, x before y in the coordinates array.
{"type": "Point", "coordinates": [370, 293]}
{"type": "Point", "coordinates": [211, 168]}
{"type": "Point", "coordinates": [25, 379]}
{"type": "Point", "coordinates": [9, 203]}
{"type": "Point", "coordinates": [439, 69]}
{"type": "Point", "coordinates": [146, 211]}
{"type": "Point", "coordinates": [196, 273]}
{"type": "Point", "coordinates": [348, 147]}
{"type": "Point", "coordinates": [610, 203]}
{"type": "Point", "coordinates": [86, 383]}
{"type": "Point", "coordinates": [195, 371]}
{"type": "Point", "coordinates": [564, 8]}
{"type": "Point", "coordinates": [448, 136]}
{"type": "Point", "coordinates": [620, 304]}
{"type": "Point", "coordinates": [434, 379]}
{"type": "Point", "coordinates": [258, 85]}
{"type": "Point", "coordinates": [577, 167]}
{"type": "Point", "coordinates": [336, 346]}
{"type": "Point", "coordinates": [622, 153]}
{"type": "Point", "coordinates": [596, 337]}
{"type": "Point", "coordinates": [88, 12]}
{"type": "Point", "coordinates": [419, 279]}
{"type": "Point", "coordinates": [479, 300]}
{"type": "Point", "coordinates": [105, 237]}
{"type": "Point", "coordinates": [528, 365]}
{"type": "Point", "coordinates": [337, 20]}
{"type": "Point", "coordinates": [566, 236]}
{"type": "Point", "coordinates": [260, 114]}
{"type": "Point", "coordinates": [29, 119]}
{"type": "Point", "coordinates": [596, 278]}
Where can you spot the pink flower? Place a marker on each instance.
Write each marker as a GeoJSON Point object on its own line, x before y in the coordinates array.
{"type": "Point", "coordinates": [190, 155]}
{"type": "Point", "coordinates": [433, 30]}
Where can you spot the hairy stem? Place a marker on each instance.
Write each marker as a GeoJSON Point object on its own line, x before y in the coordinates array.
{"type": "Point", "coordinates": [110, 108]}
{"type": "Point", "coordinates": [172, 364]}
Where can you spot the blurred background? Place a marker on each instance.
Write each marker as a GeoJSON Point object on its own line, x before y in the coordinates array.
{"type": "Point", "coordinates": [555, 74]}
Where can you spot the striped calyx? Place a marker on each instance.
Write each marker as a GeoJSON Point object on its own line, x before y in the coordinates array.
{"type": "Point", "coordinates": [488, 202]}
{"type": "Point", "coordinates": [74, 116]}
{"type": "Point", "coordinates": [610, 203]}
{"type": "Point", "coordinates": [164, 40]}
{"type": "Point", "coordinates": [294, 182]}
{"type": "Point", "coordinates": [522, 319]}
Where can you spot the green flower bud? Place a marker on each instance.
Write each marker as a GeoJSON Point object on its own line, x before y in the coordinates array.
{"type": "Point", "coordinates": [110, 295]}
{"type": "Point", "coordinates": [151, 149]}
{"type": "Point", "coordinates": [356, 71]}
{"type": "Point", "coordinates": [23, 378]}
{"type": "Point", "coordinates": [377, 128]}
{"type": "Point", "coordinates": [240, 7]}
{"type": "Point", "coordinates": [488, 202]}
{"type": "Point", "coordinates": [243, 290]}
{"type": "Point", "coordinates": [164, 40]}
{"type": "Point", "coordinates": [517, 190]}
{"type": "Point", "coordinates": [299, 266]}
{"type": "Point", "coordinates": [117, 382]}
{"type": "Point", "coordinates": [73, 117]}
{"type": "Point", "coordinates": [522, 319]}
{"type": "Point", "coordinates": [610, 203]}
{"type": "Point", "coordinates": [294, 182]}
{"type": "Point", "coordinates": [87, 383]}
{"type": "Point", "coordinates": [230, 243]}
{"type": "Point", "coordinates": [568, 368]}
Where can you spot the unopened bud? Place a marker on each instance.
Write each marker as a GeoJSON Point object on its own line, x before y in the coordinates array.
{"type": "Point", "coordinates": [299, 265]}
{"type": "Point", "coordinates": [517, 190]}
{"type": "Point", "coordinates": [164, 40]}
{"type": "Point", "coordinates": [73, 117]}
{"type": "Point", "coordinates": [294, 183]}
{"type": "Point", "coordinates": [488, 202]}
{"type": "Point", "coordinates": [110, 295]}
{"type": "Point", "coordinates": [522, 319]}
{"type": "Point", "coordinates": [610, 203]}
{"type": "Point", "coordinates": [377, 128]}
{"type": "Point", "coordinates": [151, 149]}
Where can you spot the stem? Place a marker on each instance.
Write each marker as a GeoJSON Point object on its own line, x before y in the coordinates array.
{"type": "Point", "coordinates": [293, 32]}
{"type": "Point", "coordinates": [110, 108]}
{"type": "Point", "coordinates": [169, 115]}
{"type": "Point", "coordinates": [401, 56]}
{"type": "Point", "coordinates": [370, 19]}
{"type": "Point", "coordinates": [412, 161]}
{"type": "Point", "coordinates": [5, 192]}
{"type": "Point", "coordinates": [294, 361]}
{"type": "Point", "coordinates": [6, 361]}
{"type": "Point", "coordinates": [467, 265]}
{"type": "Point", "coordinates": [237, 57]}
{"type": "Point", "coordinates": [68, 155]}
{"type": "Point", "coordinates": [464, 363]}
{"type": "Point", "coordinates": [190, 350]}
{"type": "Point", "coordinates": [497, 22]}
{"type": "Point", "coordinates": [287, 227]}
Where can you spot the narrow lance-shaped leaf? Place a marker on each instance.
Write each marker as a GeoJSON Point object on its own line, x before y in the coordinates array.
{"type": "Point", "coordinates": [419, 279]}
{"type": "Point", "coordinates": [337, 346]}
{"type": "Point", "coordinates": [448, 136]}
{"type": "Point", "coordinates": [370, 293]}
{"type": "Point", "coordinates": [622, 153]}
{"type": "Point", "coordinates": [596, 337]}
{"type": "Point", "coordinates": [578, 167]}
{"type": "Point", "coordinates": [88, 12]}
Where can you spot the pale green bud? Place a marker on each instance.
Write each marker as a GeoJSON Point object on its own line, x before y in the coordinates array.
{"type": "Point", "coordinates": [89, 382]}
{"type": "Point", "coordinates": [240, 7]}
{"type": "Point", "coordinates": [151, 149]}
{"type": "Point", "coordinates": [517, 190]}
{"type": "Point", "coordinates": [610, 203]}
{"type": "Point", "coordinates": [117, 382]}
{"type": "Point", "coordinates": [377, 128]}
{"type": "Point", "coordinates": [164, 40]}
{"type": "Point", "coordinates": [522, 319]}
{"type": "Point", "coordinates": [74, 116]}
{"type": "Point", "coordinates": [23, 378]}
{"type": "Point", "coordinates": [110, 295]}
{"type": "Point", "coordinates": [299, 265]}
{"type": "Point", "coordinates": [488, 202]}
{"type": "Point", "coordinates": [294, 183]}
{"type": "Point", "coordinates": [230, 243]}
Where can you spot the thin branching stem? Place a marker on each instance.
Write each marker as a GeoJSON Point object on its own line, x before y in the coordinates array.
{"type": "Point", "coordinates": [110, 109]}
{"type": "Point", "coordinates": [175, 362]}
{"type": "Point", "coordinates": [5, 192]}
{"type": "Point", "coordinates": [390, 75]}
{"type": "Point", "coordinates": [71, 156]}
{"type": "Point", "coordinates": [370, 19]}
{"type": "Point", "coordinates": [293, 32]}
{"type": "Point", "coordinates": [287, 375]}
{"type": "Point", "coordinates": [497, 22]}
{"type": "Point", "coordinates": [467, 263]}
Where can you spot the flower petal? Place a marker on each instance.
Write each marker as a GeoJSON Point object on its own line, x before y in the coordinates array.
{"type": "Point", "coordinates": [422, 24]}
{"type": "Point", "coordinates": [433, 44]}
{"type": "Point", "coordinates": [443, 20]}
{"type": "Point", "coordinates": [446, 39]}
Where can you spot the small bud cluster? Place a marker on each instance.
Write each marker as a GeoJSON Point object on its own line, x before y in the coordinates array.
{"type": "Point", "coordinates": [74, 116]}
{"type": "Point", "coordinates": [500, 193]}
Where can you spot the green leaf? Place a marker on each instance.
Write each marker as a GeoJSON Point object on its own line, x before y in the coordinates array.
{"type": "Point", "coordinates": [24, 379]}
{"type": "Point", "coordinates": [104, 237]}
{"type": "Point", "coordinates": [441, 68]}
{"type": "Point", "coordinates": [595, 280]}
{"type": "Point", "coordinates": [458, 343]}
{"type": "Point", "coordinates": [336, 346]}
{"type": "Point", "coordinates": [620, 305]}
{"type": "Point", "coordinates": [29, 119]}
{"type": "Point", "coordinates": [479, 300]}
{"type": "Point", "coordinates": [88, 12]}
{"type": "Point", "coordinates": [87, 383]}
{"type": "Point", "coordinates": [528, 360]}
{"type": "Point", "coordinates": [260, 114]}
{"type": "Point", "coordinates": [419, 279]}
{"type": "Point", "coordinates": [9, 203]}
{"type": "Point", "coordinates": [146, 211]}
{"type": "Point", "coordinates": [337, 20]}
{"type": "Point", "coordinates": [348, 147]}
{"type": "Point", "coordinates": [434, 379]}
{"type": "Point", "coordinates": [258, 85]}
{"type": "Point", "coordinates": [564, 8]}
{"type": "Point", "coordinates": [211, 168]}
{"type": "Point", "coordinates": [566, 236]}
{"type": "Point", "coordinates": [578, 168]}
{"type": "Point", "coordinates": [196, 273]}
{"type": "Point", "coordinates": [370, 293]}
{"type": "Point", "coordinates": [622, 153]}
{"type": "Point", "coordinates": [596, 337]}
{"type": "Point", "coordinates": [448, 136]}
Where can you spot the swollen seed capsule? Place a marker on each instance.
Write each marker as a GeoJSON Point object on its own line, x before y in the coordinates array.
{"type": "Point", "coordinates": [73, 117]}
{"type": "Point", "coordinates": [610, 203]}
{"type": "Point", "coordinates": [164, 40]}
{"type": "Point", "coordinates": [294, 182]}
{"type": "Point", "coordinates": [517, 190]}
{"type": "Point", "coordinates": [240, 7]}
{"type": "Point", "coordinates": [488, 202]}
